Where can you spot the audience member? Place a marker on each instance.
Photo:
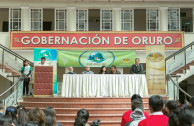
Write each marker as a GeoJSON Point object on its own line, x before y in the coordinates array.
{"type": "Point", "coordinates": [191, 103]}
{"type": "Point", "coordinates": [50, 111]}
{"type": "Point", "coordinates": [186, 117]}
{"type": "Point", "coordinates": [137, 114]}
{"type": "Point", "coordinates": [103, 70]}
{"type": "Point", "coordinates": [82, 118]}
{"type": "Point", "coordinates": [157, 118]}
{"type": "Point", "coordinates": [32, 123]}
{"type": "Point", "coordinates": [37, 114]}
{"type": "Point", "coordinates": [1, 107]}
{"type": "Point", "coordinates": [71, 71]}
{"type": "Point", "coordinates": [87, 71]}
{"type": "Point", "coordinates": [22, 116]}
{"type": "Point", "coordinates": [114, 70]}
{"type": "Point", "coordinates": [164, 109]}
{"type": "Point", "coordinates": [126, 116]}
{"type": "Point", "coordinates": [12, 111]}
{"type": "Point", "coordinates": [6, 120]}
{"type": "Point", "coordinates": [172, 106]}
{"type": "Point", "coordinates": [173, 119]}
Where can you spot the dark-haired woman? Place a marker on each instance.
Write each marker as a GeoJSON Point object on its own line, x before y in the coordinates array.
{"type": "Point", "coordinates": [50, 117]}
{"type": "Point", "coordinates": [22, 116]}
{"type": "Point", "coordinates": [12, 112]}
{"type": "Point", "coordinates": [6, 120]}
{"type": "Point", "coordinates": [103, 70]}
{"type": "Point", "coordinates": [82, 118]}
{"type": "Point", "coordinates": [37, 114]}
{"type": "Point", "coordinates": [26, 71]}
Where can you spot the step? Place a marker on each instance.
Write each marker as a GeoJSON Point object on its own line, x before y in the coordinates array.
{"type": "Point", "coordinates": [104, 117]}
{"type": "Point", "coordinates": [102, 123]}
{"type": "Point", "coordinates": [91, 110]}
{"type": "Point", "coordinates": [78, 99]}
{"type": "Point", "coordinates": [81, 105]}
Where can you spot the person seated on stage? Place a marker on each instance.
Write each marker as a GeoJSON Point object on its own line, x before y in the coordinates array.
{"type": "Point", "coordinates": [71, 71]}
{"type": "Point", "coordinates": [82, 118]}
{"type": "Point", "coordinates": [136, 68]}
{"type": "Point", "coordinates": [87, 71]}
{"type": "Point", "coordinates": [191, 103]}
{"type": "Point", "coordinates": [126, 116]}
{"type": "Point", "coordinates": [137, 114]}
{"type": "Point", "coordinates": [114, 70]}
{"type": "Point", "coordinates": [157, 118]}
{"type": "Point", "coordinates": [103, 70]}
{"type": "Point", "coordinates": [43, 62]}
{"type": "Point", "coordinates": [186, 116]}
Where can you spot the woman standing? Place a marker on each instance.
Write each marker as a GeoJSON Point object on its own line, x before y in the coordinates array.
{"type": "Point", "coordinates": [26, 71]}
{"type": "Point", "coordinates": [103, 70]}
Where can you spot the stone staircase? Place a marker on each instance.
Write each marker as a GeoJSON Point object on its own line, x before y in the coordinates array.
{"type": "Point", "coordinates": [108, 110]}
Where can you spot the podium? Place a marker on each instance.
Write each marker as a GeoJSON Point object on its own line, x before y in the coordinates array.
{"type": "Point", "coordinates": [43, 81]}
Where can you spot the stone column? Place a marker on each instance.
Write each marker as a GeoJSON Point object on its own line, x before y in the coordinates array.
{"type": "Point", "coordinates": [71, 13]}
{"type": "Point", "coordinates": [25, 18]}
{"type": "Point", "coordinates": [163, 18]}
{"type": "Point", "coordinates": [116, 19]}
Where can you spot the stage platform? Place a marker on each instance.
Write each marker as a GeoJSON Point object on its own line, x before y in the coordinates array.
{"type": "Point", "coordinates": [108, 110]}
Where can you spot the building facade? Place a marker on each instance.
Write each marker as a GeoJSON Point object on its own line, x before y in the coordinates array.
{"type": "Point", "coordinates": [96, 15]}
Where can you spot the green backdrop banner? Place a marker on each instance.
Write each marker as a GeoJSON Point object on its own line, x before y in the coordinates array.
{"type": "Point", "coordinates": [79, 58]}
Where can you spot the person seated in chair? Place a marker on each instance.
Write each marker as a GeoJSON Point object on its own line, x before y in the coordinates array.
{"type": "Point", "coordinates": [87, 71]}
{"type": "Point", "coordinates": [114, 70]}
{"type": "Point", "coordinates": [71, 71]}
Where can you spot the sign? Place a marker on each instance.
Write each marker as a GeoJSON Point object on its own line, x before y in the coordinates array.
{"type": "Point", "coordinates": [94, 40]}
{"type": "Point", "coordinates": [51, 60]}
{"type": "Point", "coordinates": [96, 58]}
{"type": "Point", "coordinates": [155, 69]}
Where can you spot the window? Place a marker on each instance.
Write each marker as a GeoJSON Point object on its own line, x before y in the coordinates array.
{"type": "Point", "coordinates": [15, 19]}
{"type": "Point", "coordinates": [36, 20]}
{"type": "Point", "coordinates": [106, 20]}
{"type": "Point", "coordinates": [127, 20]}
{"type": "Point", "coordinates": [81, 20]}
{"type": "Point", "coordinates": [173, 19]}
{"type": "Point", "coordinates": [152, 20]}
{"type": "Point", "coordinates": [60, 20]}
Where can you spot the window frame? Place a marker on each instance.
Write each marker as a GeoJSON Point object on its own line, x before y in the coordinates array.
{"type": "Point", "coordinates": [41, 22]}
{"type": "Point", "coordinates": [148, 20]}
{"type": "Point", "coordinates": [123, 22]}
{"type": "Point", "coordinates": [19, 19]}
{"type": "Point", "coordinates": [101, 15]}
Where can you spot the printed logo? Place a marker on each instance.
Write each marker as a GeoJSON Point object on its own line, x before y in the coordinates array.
{"type": "Point", "coordinates": [45, 53]}
{"type": "Point", "coordinates": [155, 56]}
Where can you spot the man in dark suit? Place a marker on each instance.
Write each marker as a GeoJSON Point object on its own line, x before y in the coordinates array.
{"type": "Point", "coordinates": [1, 107]}
{"type": "Point", "coordinates": [137, 68]}
{"type": "Point", "coordinates": [114, 70]}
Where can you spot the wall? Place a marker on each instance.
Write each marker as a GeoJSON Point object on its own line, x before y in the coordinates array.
{"type": "Point", "coordinates": [4, 12]}
{"type": "Point", "coordinates": [5, 84]}
{"type": "Point", "coordinates": [139, 19]}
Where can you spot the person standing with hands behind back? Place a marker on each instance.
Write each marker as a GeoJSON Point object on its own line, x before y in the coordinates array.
{"type": "Point", "coordinates": [26, 71]}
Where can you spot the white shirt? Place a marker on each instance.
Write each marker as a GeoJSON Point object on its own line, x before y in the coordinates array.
{"type": "Point", "coordinates": [157, 113]}
{"type": "Point", "coordinates": [45, 64]}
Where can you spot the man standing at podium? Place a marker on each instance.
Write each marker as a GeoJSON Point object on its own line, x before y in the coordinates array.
{"type": "Point", "coordinates": [87, 71]}
{"type": "Point", "coordinates": [137, 68]}
{"type": "Point", "coordinates": [43, 62]}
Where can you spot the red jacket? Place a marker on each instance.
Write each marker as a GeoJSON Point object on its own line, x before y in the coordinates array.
{"type": "Point", "coordinates": [126, 117]}
{"type": "Point", "coordinates": [155, 120]}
